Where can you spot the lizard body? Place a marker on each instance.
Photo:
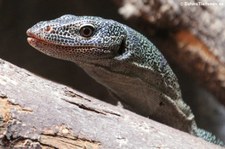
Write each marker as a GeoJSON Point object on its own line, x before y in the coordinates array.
{"type": "Point", "coordinates": [122, 60]}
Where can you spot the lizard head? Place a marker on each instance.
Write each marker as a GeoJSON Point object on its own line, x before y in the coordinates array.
{"type": "Point", "coordinates": [77, 38]}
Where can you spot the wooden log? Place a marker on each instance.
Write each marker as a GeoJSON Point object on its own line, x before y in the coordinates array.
{"type": "Point", "coordinates": [37, 113]}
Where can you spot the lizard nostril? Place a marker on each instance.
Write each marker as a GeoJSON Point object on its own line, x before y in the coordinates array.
{"type": "Point", "coordinates": [48, 29]}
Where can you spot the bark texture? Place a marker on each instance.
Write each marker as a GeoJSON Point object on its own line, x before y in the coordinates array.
{"type": "Point", "coordinates": [191, 33]}
{"type": "Point", "coordinates": [37, 113]}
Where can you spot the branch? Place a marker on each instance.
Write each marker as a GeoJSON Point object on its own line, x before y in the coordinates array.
{"type": "Point", "coordinates": [36, 113]}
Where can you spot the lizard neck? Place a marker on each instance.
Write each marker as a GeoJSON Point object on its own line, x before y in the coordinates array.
{"type": "Point", "coordinates": [133, 86]}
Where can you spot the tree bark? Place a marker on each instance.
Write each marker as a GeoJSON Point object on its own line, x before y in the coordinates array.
{"type": "Point", "coordinates": [190, 33]}
{"type": "Point", "coordinates": [37, 113]}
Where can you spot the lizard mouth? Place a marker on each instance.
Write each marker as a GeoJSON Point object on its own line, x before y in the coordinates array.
{"type": "Point", "coordinates": [68, 52]}
{"type": "Point", "coordinates": [33, 40]}
{"type": "Point", "coordinates": [36, 43]}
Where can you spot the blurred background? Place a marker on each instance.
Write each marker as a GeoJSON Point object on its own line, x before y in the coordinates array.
{"type": "Point", "coordinates": [17, 16]}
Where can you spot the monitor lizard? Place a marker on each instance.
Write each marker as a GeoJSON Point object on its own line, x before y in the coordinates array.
{"type": "Point", "coordinates": [122, 60]}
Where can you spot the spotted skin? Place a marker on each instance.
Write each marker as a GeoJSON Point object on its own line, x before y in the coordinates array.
{"type": "Point", "coordinates": [122, 60]}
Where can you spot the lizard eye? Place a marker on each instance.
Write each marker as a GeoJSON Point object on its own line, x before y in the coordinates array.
{"type": "Point", "coordinates": [87, 30]}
